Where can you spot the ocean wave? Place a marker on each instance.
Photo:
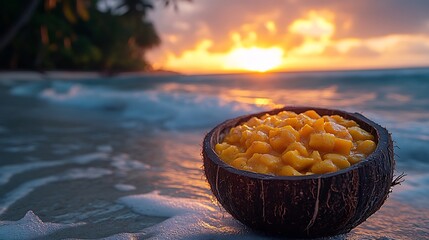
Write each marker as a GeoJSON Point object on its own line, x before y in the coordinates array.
{"type": "Point", "coordinates": [27, 187]}
{"type": "Point", "coordinates": [172, 110]}
{"type": "Point", "coordinates": [8, 171]}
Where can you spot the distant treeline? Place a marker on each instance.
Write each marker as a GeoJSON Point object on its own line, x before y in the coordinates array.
{"type": "Point", "coordinates": [100, 35]}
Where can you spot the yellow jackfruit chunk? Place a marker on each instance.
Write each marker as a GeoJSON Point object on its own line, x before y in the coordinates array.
{"type": "Point", "coordinates": [343, 146]}
{"type": "Point", "coordinates": [312, 114]}
{"type": "Point", "coordinates": [270, 161]}
{"type": "Point", "coordinates": [339, 160]}
{"type": "Point", "coordinates": [234, 135]}
{"type": "Point", "coordinates": [254, 121]}
{"type": "Point", "coordinates": [360, 134]}
{"type": "Point", "coordinates": [245, 134]}
{"type": "Point", "coordinates": [299, 147]}
{"type": "Point", "coordinates": [255, 164]}
{"type": "Point", "coordinates": [256, 136]}
{"type": "Point", "coordinates": [263, 117]}
{"type": "Point", "coordinates": [318, 125]}
{"type": "Point", "coordinates": [286, 114]}
{"type": "Point", "coordinates": [344, 122]}
{"type": "Point", "coordinates": [316, 156]}
{"type": "Point", "coordinates": [288, 171]}
{"type": "Point", "coordinates": [306, 131]}
{"type": "Point", "coordinates": [272, 121]}
{"type": "Point", "coordinates": [229, 153]}
{"type": "Point", "coordinates": [294, 122]}
{"type": "Point", "coordinates": [338, 130]}
{"type": "Point", "coordinates": [239, 163]}
{"type": "Point", "coordinates": [305, 119]}
{"type": "Point", "coordinates": [281, 138]}
{"type": "Point", "coordinates": [325, 166]}
{"type": "Point", "coordinates": [265, 163]}
{"type": "Point", "coordinates": [294, 159]}
{"type": "Point", "coordinates": [322, 141]}
{"type": "Point", "coordinates": [264, 128]}
{"type": "Point", "coordinates": [221, 146]}
{"type": "Point", "coordinates": [355, 158]}
{"type": "Point", "coordinates": [366, 147]}
{"type": "Point", "coordinates": [258, 147]}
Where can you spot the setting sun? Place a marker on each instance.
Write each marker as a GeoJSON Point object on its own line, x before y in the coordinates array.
{"type": "Point", "coordinates": [254, 59]}
{"type": "Point", "coordinates": [260, 37]}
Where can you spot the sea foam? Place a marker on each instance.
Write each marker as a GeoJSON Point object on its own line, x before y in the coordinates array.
{"type": "Point", "coordinates": [187, 218]}
{"type": "Point", "coordinates": [30, 227]}
{"type": "Point", "coordinates": [124, 187]}
{"type": "Point", "coordinates": [8, 171]}
{"type": "Point", "coordinates": [123, 163]}
{"type": "Point", "coordinates": [27, 187]}
{"type": "Point", "coordinates": [202, 219]}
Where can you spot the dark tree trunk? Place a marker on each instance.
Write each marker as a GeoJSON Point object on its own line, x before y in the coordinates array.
{"type": "Point", "coordinates": [10, 34]}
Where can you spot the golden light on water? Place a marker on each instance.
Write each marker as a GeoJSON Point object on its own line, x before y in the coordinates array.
{"type": "Point", "coordinates": [254, 59]}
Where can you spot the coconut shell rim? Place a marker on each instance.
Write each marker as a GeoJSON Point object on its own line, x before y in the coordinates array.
{"type": "Point", "coordinates": [381, 136]}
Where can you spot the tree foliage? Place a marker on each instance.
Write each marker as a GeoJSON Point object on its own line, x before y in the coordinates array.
{"type": "Point", "coordinates": [77, 35]}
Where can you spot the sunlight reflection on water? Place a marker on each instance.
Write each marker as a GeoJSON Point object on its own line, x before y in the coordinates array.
{"type": "Point", "coordinates": [147, 134]}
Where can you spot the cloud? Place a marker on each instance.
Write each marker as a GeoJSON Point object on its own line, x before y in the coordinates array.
{"type": "Point", "coordinates": [383, 17]}
{"type": "Point", "coordinates": [355, 51]}
{"type": "Point", "coordinates": [209, 32]}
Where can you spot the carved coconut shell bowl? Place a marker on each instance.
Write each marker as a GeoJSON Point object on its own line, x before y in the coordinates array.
{"type": "Point", "coordinates": [302, 206]}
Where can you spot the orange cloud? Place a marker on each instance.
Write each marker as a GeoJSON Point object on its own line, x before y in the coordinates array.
{"type": "Point", "coordinates": [314, 25]}
{"type": "Point", "coordinates": [261, 37]}
{"type": "Point", "coordinates": [271, 27]}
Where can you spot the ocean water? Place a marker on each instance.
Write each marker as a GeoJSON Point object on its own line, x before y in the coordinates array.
{"type": "Point", "coordinates": [119, 157]}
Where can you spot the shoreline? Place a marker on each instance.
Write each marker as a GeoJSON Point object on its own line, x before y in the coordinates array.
{"type": "Point", "coordinates": [79, 75]}
{"type": "Point", "coordinates": [84, 75]}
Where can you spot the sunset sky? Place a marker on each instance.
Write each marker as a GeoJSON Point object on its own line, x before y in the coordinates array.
{"type": "Point", "coordinates": [226, 36]}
